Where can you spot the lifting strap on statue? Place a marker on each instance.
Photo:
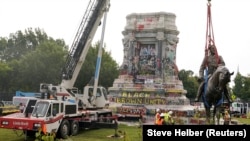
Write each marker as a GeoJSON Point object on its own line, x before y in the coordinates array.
{"type": "Point", "coordinates": [209, 41]}
{"type": "Point", "coordinates": [209, 33]}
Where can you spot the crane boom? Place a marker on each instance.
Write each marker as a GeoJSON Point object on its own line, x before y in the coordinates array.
{"type": "Point", "coordinates": [99, 57]}
{"type": "Point", "coordinates": [82, 41]}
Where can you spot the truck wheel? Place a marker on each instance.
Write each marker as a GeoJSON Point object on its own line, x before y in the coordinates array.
{"type": "Point", "coordinates": [30, 133]}
{"type": "Point", "coordinates": [64, 129]}
{"type": "Point", "coordinates": [74, 127]}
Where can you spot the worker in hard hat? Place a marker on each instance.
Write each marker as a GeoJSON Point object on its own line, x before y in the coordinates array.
{"type": "Point", "coordinates": [158, 119]}
{"type": "Point", "coordinates": [163, 115]}
{"type": "Point", "coordinates": [168, 120]}
{"type": "Point", "coordinates": [226, 118]}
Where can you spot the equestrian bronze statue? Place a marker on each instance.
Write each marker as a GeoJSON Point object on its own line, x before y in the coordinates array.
{"type": "Point", "coordinates": [213, 94]}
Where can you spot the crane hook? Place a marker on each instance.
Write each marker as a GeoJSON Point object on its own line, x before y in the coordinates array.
{"type": "Point", "coordinates": [209, 2]}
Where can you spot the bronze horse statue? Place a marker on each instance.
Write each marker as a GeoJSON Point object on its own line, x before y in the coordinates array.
{"type": "Point", "coordinates": [214, 88]}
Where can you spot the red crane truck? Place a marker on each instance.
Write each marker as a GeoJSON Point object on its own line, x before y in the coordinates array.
{"type": "Point", "coordinates": [60, 108]}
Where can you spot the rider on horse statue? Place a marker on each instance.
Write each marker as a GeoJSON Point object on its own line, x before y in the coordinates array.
{"type": "Point", "coordinates": [211, 61]}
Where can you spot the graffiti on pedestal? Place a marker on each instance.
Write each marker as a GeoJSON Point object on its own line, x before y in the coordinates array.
{"type": "Point", "coordinates": [144, 59]}
{"type": "Point", "coordinates": [134, 110]}
{"type": "Point", "coordinates": [147, 98]}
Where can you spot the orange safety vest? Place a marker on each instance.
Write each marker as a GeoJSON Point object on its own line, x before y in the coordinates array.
{"type": "Point", "coordinates": [44, 129]}
{"type": "Point", "coordinates": [158, 120]}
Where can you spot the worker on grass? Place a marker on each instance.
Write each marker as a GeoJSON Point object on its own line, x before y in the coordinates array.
{"type": "Point", "coordinates": [167, 118]}
{"type": "Point", "coordinates": [226, 118]}
{"type": "Point", "coordinates": [158, 119]}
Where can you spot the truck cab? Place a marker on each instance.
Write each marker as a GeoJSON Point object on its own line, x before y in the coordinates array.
{"type": "Point", "coordinates": [85, 100]}
{"type": "Point", "coordinates": [100, 100]}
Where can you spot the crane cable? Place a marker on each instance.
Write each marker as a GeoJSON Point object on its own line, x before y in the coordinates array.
{"type": "Point", "coordinates": [210, 34]}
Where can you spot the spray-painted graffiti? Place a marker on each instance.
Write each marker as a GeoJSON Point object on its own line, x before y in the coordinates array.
{"type": "Point", "coordinates": [143, 94]}
{"type": "Point", "coordinates": [175, 102]}
{"type": "Point", "coordinates": [135, 94]}
{"type": "Point", "coordinates": [150, 101]}
{"type": "Point", "coordinates": [131, 110]}
{"type": "Point", "coordinates": [146, 23]}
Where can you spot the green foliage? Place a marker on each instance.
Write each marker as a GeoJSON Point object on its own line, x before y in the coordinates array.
{"type": "Point", "coordinates": [189, 82]}
{"type": "Point", "coordinates": [47, 137]}
{"type": "Point", "coordinates": [31, 57]}
{"type": "Point", "coordinates": [108, 71]}
{"type": "Point", "coordinates": [28, 54]}
{"type": "Point", "coordinates": [42, 65]}
{"type": "Point", "coordinates": [4, 75]}
{"type": "Point", "coordinates": [241, 88]}
{"type": "Point", "coordinates": [3, 45]}
{"type": "Point", "coordinates": [20, 43]}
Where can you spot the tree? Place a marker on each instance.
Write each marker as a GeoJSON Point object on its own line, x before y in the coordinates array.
{"type": "Point", "coordinates": [20, 43]}
{"type": "Point", "coordinates": [28, 54]}
{"type": "Point", "coordinates": [238, 81]}
{"type": "Point", "coordinates": [41, 66]}
{"type": "Point", "coordinates": [246, 90]}
{"type": "Point", "coordinates": [4, 75]}
{"type": "Point", "coordinates": [3, 45]}
{"type": "Point", "coordinates": [241, 88]}
{"type": "Point", "coordinates": [108, 71]}
{"type": "Point", "coordinates": [189, 82]}
{"type": "Point", "coordinates": [33, 58]}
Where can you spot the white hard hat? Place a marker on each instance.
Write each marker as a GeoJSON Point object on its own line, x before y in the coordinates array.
{"type": "Point", "coordinates": [162, 115]}
{"type": "Point", "coordinates": [170, 112]}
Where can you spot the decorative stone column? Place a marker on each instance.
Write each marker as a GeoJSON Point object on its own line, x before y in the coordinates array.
{"type": "Point", "coordinates": [160, 37]}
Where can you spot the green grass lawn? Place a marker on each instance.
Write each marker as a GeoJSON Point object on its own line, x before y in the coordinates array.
{"type": "Point", "coordinates": [243, 120]}
{"type": "Point", "coordinates": [133, 133]}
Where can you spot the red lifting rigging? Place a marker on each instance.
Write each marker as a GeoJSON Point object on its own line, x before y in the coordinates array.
{"type": "Point", "coordinates": [209, 33]}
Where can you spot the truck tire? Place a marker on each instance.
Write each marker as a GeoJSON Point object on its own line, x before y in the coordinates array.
{"type": "Point", "coordinates": [30, 133]}
{"type": "Point", "coordinates": [74, 127]}
{"type": "Point", "coordinates": [64, 129]}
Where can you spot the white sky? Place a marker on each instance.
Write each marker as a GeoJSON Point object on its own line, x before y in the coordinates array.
{"type": "Point", "coordinates": [60, 19]}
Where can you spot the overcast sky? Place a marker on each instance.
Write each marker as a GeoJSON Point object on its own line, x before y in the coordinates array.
{"type": "Point", "coordinates": [60, 19]}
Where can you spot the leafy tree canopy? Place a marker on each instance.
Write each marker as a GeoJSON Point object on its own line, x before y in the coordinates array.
{"type": "Point", "coordinates": [31, 57]}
